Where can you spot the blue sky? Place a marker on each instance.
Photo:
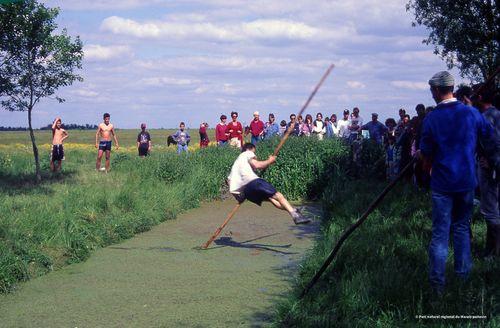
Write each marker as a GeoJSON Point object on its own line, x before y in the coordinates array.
{"type": "Point", "coordinates": [161, 62]}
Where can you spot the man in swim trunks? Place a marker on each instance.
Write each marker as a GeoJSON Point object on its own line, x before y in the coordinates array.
{"type": "Point", "coordinates": [245, 184]}
{"type": "Point", "coordinates": [143, 141]}
{"type": "Point", "coordinates": [57, 152]}
{"type": "Point", "coordinates": [103, 142]}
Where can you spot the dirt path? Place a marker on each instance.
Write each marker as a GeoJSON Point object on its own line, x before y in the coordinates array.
{"type": "Point", "coordinates": [157, 280]}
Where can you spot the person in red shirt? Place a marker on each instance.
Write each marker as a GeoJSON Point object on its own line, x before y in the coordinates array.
{"type": "Point", "coordinates": [234, 130]}
{"type": "Point", "coordinates": [204, 141]}
{"type": "Point", "coordinates": [220, 131]}
{"type": "Point", "coordinates": [256, 128]}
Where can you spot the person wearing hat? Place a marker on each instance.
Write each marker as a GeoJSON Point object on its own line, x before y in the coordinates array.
{"type": "Point", "coordinates": [376, 129]}
{"type": "Point", "coordinates": [143, 141]}
{"type": "Point", "coordinates": [256, 128]}
{"type": "Point", "coordinates": [343, 125]}
{"type": "Point", "coordinates": [271, 128]}
{"type": "Point", "coordinates": [448, 146]}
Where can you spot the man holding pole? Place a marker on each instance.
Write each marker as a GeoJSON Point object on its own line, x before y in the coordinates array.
{"type": "Point", "coordinates": [245, 184]}
{"type": "Point", "coordinates": [448, 143]}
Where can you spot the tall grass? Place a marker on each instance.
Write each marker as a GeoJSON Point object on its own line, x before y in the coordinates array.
{"type": "Point", "coordinates": [72, 213]}
{"type": "Point", "coordinates": [380, 276]}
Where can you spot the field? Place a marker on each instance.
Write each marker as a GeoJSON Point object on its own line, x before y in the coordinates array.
{"type": "Point", "coordinates": [379, 278]}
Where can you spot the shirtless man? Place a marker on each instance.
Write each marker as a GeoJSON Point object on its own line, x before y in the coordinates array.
{"type": "Point", "coordinates": [58, 137]}
{"type": "Point", "coordinates": [103, 142]}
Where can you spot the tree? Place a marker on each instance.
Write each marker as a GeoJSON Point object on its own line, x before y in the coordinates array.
{"type": "Point", "coordinates": [465, 33]}
{"type": "Point", "coordinates": [34, 59]}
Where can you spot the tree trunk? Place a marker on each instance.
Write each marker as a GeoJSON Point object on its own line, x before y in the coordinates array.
{"type": "Point", "coordinates": [35, 149]}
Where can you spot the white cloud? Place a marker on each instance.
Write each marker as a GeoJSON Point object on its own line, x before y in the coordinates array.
{"type": "Point", "coordinates": [101, 4]}
{"type": "Point", "coordinates": [194, 28]}
{"type": "Point", "coordinates": [85, 93]}
{"type": "Point", "coordinates": [165, 81]}
{"type": "Point", "coordinates": [356, 85]}
{"type": "Point", "coordinates": [96, 52]}
{"type": "Point", "coordinates": [410, 85]}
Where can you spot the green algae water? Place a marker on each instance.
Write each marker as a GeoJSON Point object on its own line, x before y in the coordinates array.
{"type": "Point", "coordinates": [159, 279]}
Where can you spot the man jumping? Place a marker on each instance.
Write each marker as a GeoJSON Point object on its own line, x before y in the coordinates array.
{"type": "Point", "coordinates": [104, 132]}
{"type": "Point", "coordinates": [245, 184]}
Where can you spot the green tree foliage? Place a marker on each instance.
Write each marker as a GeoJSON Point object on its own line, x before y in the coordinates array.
{"type": "Point", "coordinates": [35, 60]}
{"type": "Point", "coordinates": [465, 33]}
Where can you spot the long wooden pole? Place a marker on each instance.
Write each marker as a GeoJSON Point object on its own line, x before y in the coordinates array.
{"type": "Point", "coordinates": [353, 227]}
{"type": "Point", "coordinates": [282, 142]}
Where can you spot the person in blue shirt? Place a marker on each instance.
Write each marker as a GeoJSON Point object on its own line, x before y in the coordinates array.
{"type": "Point", "coordinates": [376, 129]}
{"type": "Point", "coordinates": [448, 145]}
{"type": "Point", "coordinates": [182, 137]}
{"type": "Point", "coordinates": [271, 129]}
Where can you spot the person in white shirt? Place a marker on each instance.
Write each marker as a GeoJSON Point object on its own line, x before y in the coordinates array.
{"type": "Point", "coordinates": [343, 125]}
{"type": "Point", "coordinates": [319, 128]}
{"type": "Point", "coordinates": [245, 184]}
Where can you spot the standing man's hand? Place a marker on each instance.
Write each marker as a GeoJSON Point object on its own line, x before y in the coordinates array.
{"type": "Point", "coordinates": [117, 146]}
{"type": "Point", "coordinates": [96, 145]}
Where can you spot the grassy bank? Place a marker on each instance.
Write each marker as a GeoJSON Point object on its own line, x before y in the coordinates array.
{"type": "Point", "coordinates": [70, 214]}
{"type": "Point", "coordinates": [379, 278]}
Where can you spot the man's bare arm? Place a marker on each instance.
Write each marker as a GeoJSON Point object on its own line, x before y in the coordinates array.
{"type": "Point", "coordinates": [260, 165]}
{"type": "Point", "coordinates": [114, 137]}
{"type": "Point", "coordinates": [97, 136]}
{"type": "Point", "coordinates": [55, 123]}
{"type": "Point", "coordinates": [65, 135]}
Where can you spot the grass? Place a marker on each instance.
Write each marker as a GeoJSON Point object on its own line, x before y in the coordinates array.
{"type": "Point", "coordinates": [379, 278]}
{"type": "Point", "coordinates": [72, 213]}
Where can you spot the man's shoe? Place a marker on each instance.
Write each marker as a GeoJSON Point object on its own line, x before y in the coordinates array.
{"type": "Point", "coordinates": [299, 218]}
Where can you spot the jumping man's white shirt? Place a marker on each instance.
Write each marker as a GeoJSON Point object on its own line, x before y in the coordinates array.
{"type": "Point", "coordinates": [241, 172]}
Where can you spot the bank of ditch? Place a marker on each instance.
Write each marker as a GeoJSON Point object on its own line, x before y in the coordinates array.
{"type": "Point", "coordinates": [71, 214]}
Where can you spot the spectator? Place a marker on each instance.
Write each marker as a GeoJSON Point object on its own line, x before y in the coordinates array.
{"type": "Point", "coordinates": [283, 127]}
{"type": "Point", "coordinates": [182, 138]}
{"type": "Point", "coordinates": [402, 113]}
{"type": "Point", "coordinates": [204, 141]}
{"type": "Point", "coordinates": [143, 141]}
{"type": "Point", "coordinates": [404, 138]}
{"type": "Point", "coordinates": [422, 178]}
{"type": "Point", "coordinates": [271, 128]}
{"type": "Point", "coordinates": [220, 131]}
{"type": "Point", "coordinates": [391, 160]}
{"type": "Point", "coordinates": [390, 124]}
{"type": "Point", "coordinates": [356, 123]}
{"type": "Point", "coordinates": [489, 170]}
{"type": "Point", "coordinates": [256, 128]}
{"type": "Point", "coordinates": [307, 126]}
{"type": "Point", "coordinates": [376, 129]}
{"type": "Point", "coordinates": [448, 143]}
{"type": "Point", "coordinates": [343, 125]}
{"type": "Point", "coordinates": [234, 130]}
{"type": "Point", "coordinates": [295, 128]}
{"type": "Point", "coordinates": [300, 121]}
{"type": "Point", "coordinates": [319, 128]}
{"type": "Point", "coordinates": [335, 125]}
{"type": "Point", "coordinates": [328, 128]}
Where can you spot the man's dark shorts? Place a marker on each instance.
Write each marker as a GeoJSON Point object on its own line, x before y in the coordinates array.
{"type": "Point", "coordinates": [143, 149]}
{"type": "Point", "coordinates": [105, 145]}
{"type": "Point", "coordinates": [57, 153]}
{"type": "Point", "coordinates": [258, 191]}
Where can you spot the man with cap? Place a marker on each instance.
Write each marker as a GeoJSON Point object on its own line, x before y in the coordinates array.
{"type": "Point", "coordinates": [448, 145]}
{"type": "Point", "coordinates": [343, 125]}
{"type": "Point", "coordinates": [256, 128]}
{"type": "Point", "coordinates": [376, 129]}
{"type": "Point", "coordinates": [143, 141]}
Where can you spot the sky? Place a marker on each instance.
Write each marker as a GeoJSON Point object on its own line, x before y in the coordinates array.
{"type": "Point", "coordinates": [162, 62]}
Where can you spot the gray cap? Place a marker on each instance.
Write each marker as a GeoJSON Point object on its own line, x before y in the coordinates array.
{"type": "Point", "coordinates": [374, 114]}
{"type": "Point", "coordinates": [442, 79]}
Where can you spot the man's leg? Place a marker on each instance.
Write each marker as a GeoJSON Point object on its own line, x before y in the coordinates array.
{"type": "Point", "coordinates": [279, 201]}
{"type": "Point", "coordinates": [52, 168]}
{"type": "Point", "coordinates": [59, 165]}
{"type": "Point", "coordinates": [108, 156]}
{"type": "Point", "coordinates": [461, 215]}
{"type": "Point", "coordinates": [98, 161]}
{"type": "Point", "coordinates": [438, 248]}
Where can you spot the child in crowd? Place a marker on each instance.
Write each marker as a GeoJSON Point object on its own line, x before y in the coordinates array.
{"type": "Point", "coordinates": [390, 159]}
{"type": "Point", "coordinates": [183, 138]}
{"type": "Point", "coordinates": [204, 141]}
{"type": "Point", "coordinates": [282, 128]}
